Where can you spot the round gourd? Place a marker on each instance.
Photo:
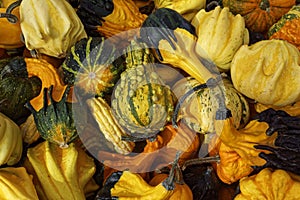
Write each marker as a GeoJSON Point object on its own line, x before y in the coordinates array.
{"type": "Point", "coordinates": [288, 27]}
{"type": "Point", "coordinates": [91, 67]}
{"type": "Point", "coordinates": [268, 72]}
{"type": "Point", "coordinates": [259, 15]}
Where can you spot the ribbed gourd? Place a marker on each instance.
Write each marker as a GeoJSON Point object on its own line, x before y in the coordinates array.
{"type": "Point", "coordinates": [141, 101]}
{"type": "Point", "coordinates": [91, 67]}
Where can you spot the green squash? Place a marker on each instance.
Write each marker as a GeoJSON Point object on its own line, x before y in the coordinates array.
{"type": "Point", "coordinates": [92, 67]}
{"type": "Point", "coordinates": [141, 101]}
{"type": "Point", "coordinates": [16, 88]}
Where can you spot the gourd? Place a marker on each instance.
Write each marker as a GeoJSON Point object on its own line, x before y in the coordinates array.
{"type": "Point", "coordinates": [92, 67]}
{"type": "Point", "coordinates": [220, 34]}
{"type": "Point", "coordinates": [259, 15]}
{"type": "Point", "coordinates": [16, 183]}
{"type": "Point", "coordinates": [108, 125]}
{"type": "Point", "coordinates": [29, 131]}
{"type": "Point", "coordinates": [11, 144]}
{"type": "Point", "coordinates": [55, 121]}
{"type": "Point", "coordinates": [269, 183]}
{"type": "Point", "coordinates": [110, 18]}
{"type": "Point", "coordinates": [287, 28]}
{"type": "Point", "coordinates": [187, 8]}
{"type": "Point", "coordinates": [198, 110]}
{"type": "Point", "coordinates": [292, 109]}
{"type": "Point", "coordinates": [267, 72]}
{"type": "Point", "coordinates": [141, 101]}
{"type": "Point", "coordinates": [10, 35]}
{"type": "Point", "coordinates": [60, 173]}
{"type": "Point", "coordinates": [17, 86]}
{"type": "Point", "coordinates": [51, 37]}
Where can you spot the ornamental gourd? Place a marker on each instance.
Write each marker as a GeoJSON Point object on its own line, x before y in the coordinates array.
{"type": "Point", "coordinates": [51, 37]}
{"type": "Point", "coordinates": [288, 27]}
{"type": "Point", "coordinates": [220, 34]}
{"type": "Point", "coordinates": [268, 72]}
{"type": "Point", "coordinates": [141, 101]}
{"type": "Point", "coordinates": [259, 15]}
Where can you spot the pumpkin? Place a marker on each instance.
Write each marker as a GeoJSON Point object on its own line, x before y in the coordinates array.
{"type": "Point", "coordinates": [17, 87]}
{"type": "Point", "coordinates": [220, 34]}
{"type": "Point", "coordinates": [11, 144]}
{"type": "Point", "coordinates": [199, 109]}
{"type": "Point", "coordinates": [267, 72]}
{"type": "Point", "coordinates": [10, 35]}
{"type": "Point", "coordinates": [55, 122]}
{"type": "Point", "coordinates": [54, 177]}
{"type": "Point", "coordinates": [141, 101]}
{"type": "Point", "coordinates": [109, 18]}
{"type": "Point", "coordinates": [92, 67]}
{"type": "Point", "coordinates": [187, 8]}
{"type": "Point", "coordinates": [269, 184]}
{"type": "Point", "coordinates": [16, 183]}
{"type": "Point", "coordinates": [287, 28]}
{"type": "Point", "coordinates": [259, 15]}
{"type": "Point", "coordinates": [51, 37]}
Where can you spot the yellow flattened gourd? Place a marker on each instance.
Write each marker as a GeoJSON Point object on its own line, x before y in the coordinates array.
{"type": "Point", "coordinates": [220, 35]}
{"type": "Point", "coordinates": [187, 8]}
{"type": "Point", "coordinates": [16, 183]}
{"type": "Point", "coordinates": [268, 72]}
{"type": "Point", "coordinates": [11, 144]}
{"type": "Point", "coordinates": [270, 184]}
{"type": "Point", "coordinates": [54, 31]}
{"type": "Point", "coordinates": [61, 173]}
{"type": "Point", "coordinates": [29, 130]}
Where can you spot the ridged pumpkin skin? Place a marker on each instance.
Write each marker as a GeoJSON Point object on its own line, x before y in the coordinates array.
{"type": "Point", "coordinates": [288, 27]}
{"type": "Point", "coordinates": [91, 67]}
{"type": "Point", "coordinates": [259, 15]}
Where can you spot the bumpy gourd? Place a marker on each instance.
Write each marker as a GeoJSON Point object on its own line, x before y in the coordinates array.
{"type": "Point", "coordinates": [53, 32]}
{"type": "Point", "coordinates": [11, 144]}
{"type": "Point", "coordinates": [220, 35]}
{"type": "Point", "coordinates": [288, 27]}
{"type": "Point", "coordinates": [268, 72]}
{"type": "Point", "coordinates": [142, 103]}
{"type": "Point", "coordinates": [16, 183]}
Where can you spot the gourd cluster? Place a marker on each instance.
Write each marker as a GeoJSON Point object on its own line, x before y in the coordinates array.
{"type": "Point", "coordinates": [149, 99]}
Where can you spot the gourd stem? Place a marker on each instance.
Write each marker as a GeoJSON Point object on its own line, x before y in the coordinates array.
{"type": "Point", "coordinates": [10, 17]}
{"type": "Point", "coordinates": [199, 161]}
{"type": "Point", "coordinates": [169, 182]}
{"type": "Point", "coordinates": [265, 5]}
{"type": "Point", "coordinates": [182, 99]}
{"type": "Point", "coordinates": [9, 10]}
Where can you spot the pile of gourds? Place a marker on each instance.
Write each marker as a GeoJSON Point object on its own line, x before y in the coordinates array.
{"type": "Point", "coordinates": [149, 99]}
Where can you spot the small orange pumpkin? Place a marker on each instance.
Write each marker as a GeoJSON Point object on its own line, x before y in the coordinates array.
{"type": "Point", "coordinates": [259, 15]}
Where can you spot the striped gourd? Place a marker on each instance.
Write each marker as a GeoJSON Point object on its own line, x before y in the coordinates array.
{"type": "Point", "coordinates": [108, 125]}
{"type": "Point", "coordinates": [141, 101]}
{"type": "Point", "coordinates": [92, 66]}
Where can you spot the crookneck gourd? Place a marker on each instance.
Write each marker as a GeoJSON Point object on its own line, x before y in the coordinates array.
{"type": "Point", "coordinates": [16, 183]}
{"type": "Point", "coordinates": [141, 101]}
{"type": "Point", "coordinates": [220, 34]}
{"type": "Point", "coordinates": [92, 67]}
{"type": "Point", "coordinates": [198, 111]}
{"type": "Point", "coordinates": [51, 37]}
{"type": "Point", "coordinates": [10, 34]}
{"type": "Point", "coordinates": [60, 173]}
{"type": "Point", "coordinates": [110, 17]}
{"type": "Point", "coordinates": [11, 144]}
{"type": "Point", "coordinates": [186, 8]}
{"type": "Point", "coordinates": [269, 184]}
{"type": "Point", "coordinates": [259, 15]}
{"type": "Point", "coordinates": [288, 27]}
{"type": "Point", "coordinates": [17, 86]}
{"type": "Point", "coordinates": [175, 42]}
{"type": "Point", "coordinates": [268, 72]}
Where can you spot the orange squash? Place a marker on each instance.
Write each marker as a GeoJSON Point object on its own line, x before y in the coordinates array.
{"type": "Point", "coordinates": [259, 15]}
